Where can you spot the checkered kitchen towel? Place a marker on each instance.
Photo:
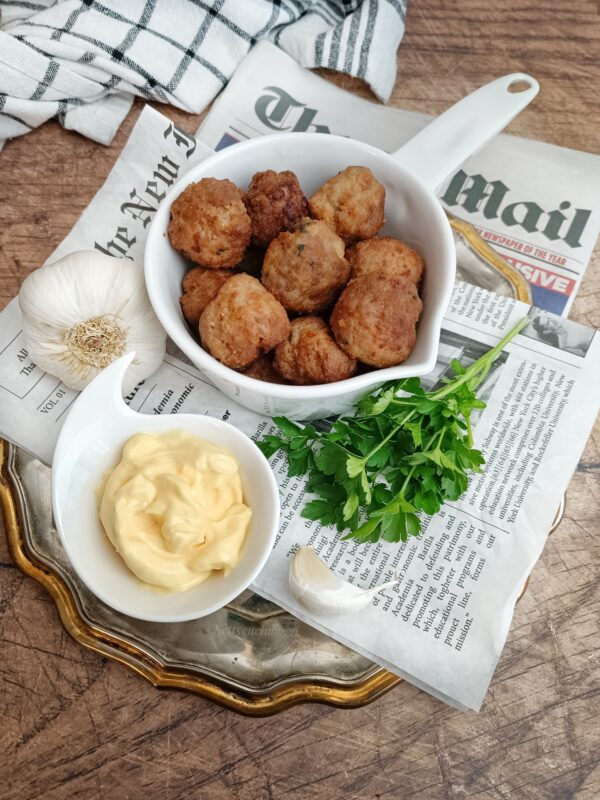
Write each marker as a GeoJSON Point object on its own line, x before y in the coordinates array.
{"type": "Point", "coordinates": [83, 60]}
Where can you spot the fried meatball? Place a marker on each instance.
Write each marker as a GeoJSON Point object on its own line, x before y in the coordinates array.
{"type": "Point", "coordinates": [387, 255]}
{"type": "Point", "coordinates": [200, 285]}
{"type": "Point", "coordinates": [209, 223]}
{"type": "Point", "coordinates": [305, 269]}
{"type": "Point", "coordinates": [351, 203]}
{"type": "Point", "coordinates": [275, 203]}
{"type": "Point", "coordinates": [263, 370]}
{"type": "Point", "coordinates": [374, 319]}
{"type": "Point", "coordinates": [311, 355]}
{"type": "Point", "coordinates": [243, 322]}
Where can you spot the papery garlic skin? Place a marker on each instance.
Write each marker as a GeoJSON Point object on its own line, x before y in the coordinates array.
{"type": "Point", "coordinates": [319, 590]}
{"type": "Point", "coordinates": [86, 310]}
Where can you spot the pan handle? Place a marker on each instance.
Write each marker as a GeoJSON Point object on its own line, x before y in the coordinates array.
{"type": "Point", "coordinates": [441, 147]}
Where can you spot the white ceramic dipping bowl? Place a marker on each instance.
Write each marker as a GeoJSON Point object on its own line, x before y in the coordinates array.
{"type": "Point", "coordinates": [90, 442]}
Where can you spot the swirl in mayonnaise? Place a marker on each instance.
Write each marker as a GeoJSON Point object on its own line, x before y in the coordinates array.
{"type": "Point", "coordinates": [174, 509]}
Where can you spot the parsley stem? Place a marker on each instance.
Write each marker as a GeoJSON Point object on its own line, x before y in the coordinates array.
{"type": "Point", "coordinates": [467, 419]}
{"type": "Point", "coordinates": [479, 368]}
{"type": "Point", "coordinates": [386, 439]}
{"type": "Point", "coordinates": [425, 450]}
{"type": "Point", "coordinates": [400, 494]}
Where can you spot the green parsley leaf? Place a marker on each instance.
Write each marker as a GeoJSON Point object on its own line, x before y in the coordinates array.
{"type": "Point", "coordinates": [331, 458]}
{"type": "Point", "coordinates": [350, 506]}
{"type": "Point", "coordinates": [270, 445]}
{"type": "Point", "coordinates": [354, 466]}
{"type": "Point", "coordinates": [287, 427]}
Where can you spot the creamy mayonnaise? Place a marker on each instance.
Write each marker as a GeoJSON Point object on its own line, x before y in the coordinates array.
{"type": "Point", "coordinates": [174, 510]}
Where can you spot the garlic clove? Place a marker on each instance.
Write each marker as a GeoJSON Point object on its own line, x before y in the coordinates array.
{"type": "Point", "coordinates": [319, 590]}
{"type": "Point", "coordinates": [86, 310]}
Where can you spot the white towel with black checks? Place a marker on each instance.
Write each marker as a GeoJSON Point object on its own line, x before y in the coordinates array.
{"type": "Point", "coordinates": [82, 61]}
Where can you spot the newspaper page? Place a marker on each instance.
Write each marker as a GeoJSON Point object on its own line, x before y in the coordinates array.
{"type": "Point", "coordinates": [535, 204]}
{"type": "Point", "coordinates": [33, 403]}
{"type": "Point", "coordinates": [444, 627]}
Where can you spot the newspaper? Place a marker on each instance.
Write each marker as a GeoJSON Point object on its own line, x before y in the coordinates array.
{"type": "Point", "coordinates": [444, 628]}
{"type": "Point", "coordinates": [537, 204]}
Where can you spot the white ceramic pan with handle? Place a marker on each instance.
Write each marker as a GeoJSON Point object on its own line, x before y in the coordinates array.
{"type": "Point", "coordinates": [412, 212]}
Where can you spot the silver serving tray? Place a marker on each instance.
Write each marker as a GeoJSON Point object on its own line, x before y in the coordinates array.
{"type": "Point", "coordinates": [250, 656]}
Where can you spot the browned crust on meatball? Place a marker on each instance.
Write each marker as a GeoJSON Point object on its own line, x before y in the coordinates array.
{"type": "Point", "coordinates": [200, 286]}
{"type": "Point", "coordinates": [209, 223]}
{"type": "Point", "coordinates": [305, 269]}
{"type": "Point", "coordinates": [275, 203]}
{"type": "Point", "coordinates": [352, 204]}
{"type": "Point", "coordinates": [243, 322]}
{"type": "Point", "coordinates": [387, 255]}
{"type": "Point", "coordinates": [374, 319]}
{"type": "Point", "coordinates": [311, 355]}
{"type": "Point", "coordinates": [263, 370]}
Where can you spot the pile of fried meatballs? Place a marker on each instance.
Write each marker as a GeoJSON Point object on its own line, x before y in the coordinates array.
{"type": "Point", "coordinates": [295, 290]}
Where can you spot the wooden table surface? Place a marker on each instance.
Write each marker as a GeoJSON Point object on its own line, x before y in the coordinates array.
{"type": "Point", "coordinates": [73, 724]}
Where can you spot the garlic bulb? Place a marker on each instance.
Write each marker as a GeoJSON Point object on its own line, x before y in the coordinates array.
{"type": "Point", "coordinates": [315, 586]}
{"type": "Point", "coordinates": [85, 311]}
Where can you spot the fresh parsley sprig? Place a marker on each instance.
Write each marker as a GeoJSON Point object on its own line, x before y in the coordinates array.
{"type": "Point", "coordinates": [405, 451]}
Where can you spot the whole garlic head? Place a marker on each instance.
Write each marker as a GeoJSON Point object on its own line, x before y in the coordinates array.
{"type": "Point", "coordinates": [85, 311]}
{"type": "Point", "coordinates": [319, 590]}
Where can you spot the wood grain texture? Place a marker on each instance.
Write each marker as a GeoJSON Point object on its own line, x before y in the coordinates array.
{"type": "Point", "coordinates": [75, 725]}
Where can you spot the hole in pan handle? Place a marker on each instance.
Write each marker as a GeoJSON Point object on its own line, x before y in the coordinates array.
{"type": "Point", "coordinates": [441, 147]}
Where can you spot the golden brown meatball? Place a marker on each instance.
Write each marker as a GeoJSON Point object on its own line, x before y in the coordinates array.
{"type": "Point", "coordinates": [209, 223]}
{"type": "Point", "coordinates": [351, 203]}
{"type": "Point", "coordinates": [305, 269]}
{"type": "Point", "coordinates": [386, 254]}
{"type": "Point", "coordinates": [374, 319]}
{"type": "Point", "coordinates": [311, 355]}
{"type": "Point", "coordinates": [263, 370]}
{"type": "Point", "coordinates": [275, 203]}
{"type": "Point", "coordinates": [243, 322]}
{"type": "Point", "coordinates": [200, 285]}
